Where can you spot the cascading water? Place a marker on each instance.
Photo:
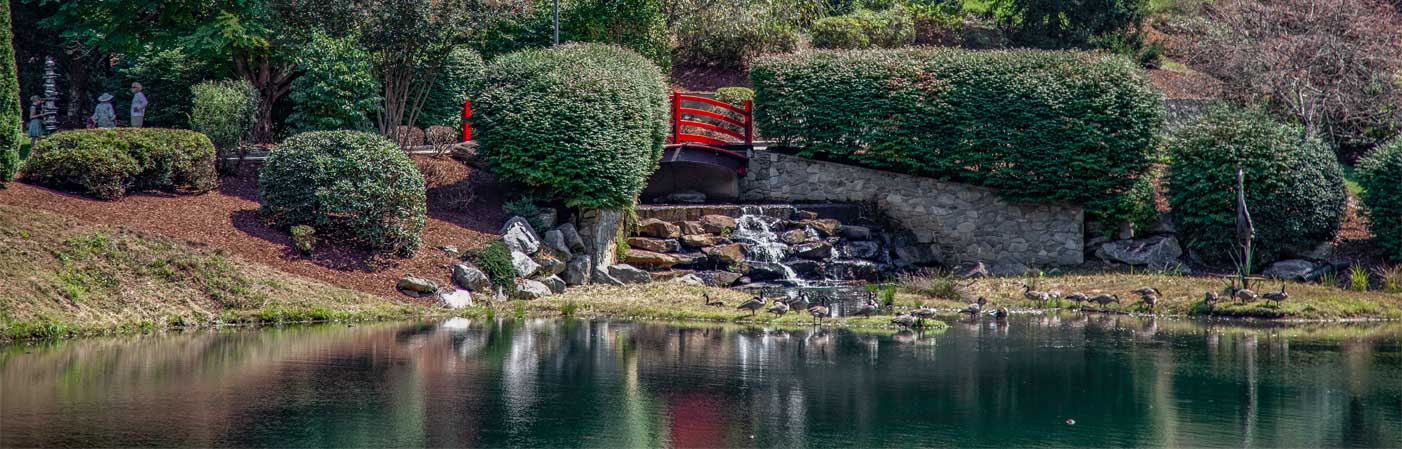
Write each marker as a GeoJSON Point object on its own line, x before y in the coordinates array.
{"type": "Point", "coordinates": [755, 228]}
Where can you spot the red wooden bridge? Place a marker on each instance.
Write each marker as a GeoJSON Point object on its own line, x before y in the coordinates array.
{"type": "Point", "coordinates": [731, 133]}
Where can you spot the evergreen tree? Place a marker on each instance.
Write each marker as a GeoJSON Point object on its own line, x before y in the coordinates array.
{"type": "Point", "coordinates": [10, 117]}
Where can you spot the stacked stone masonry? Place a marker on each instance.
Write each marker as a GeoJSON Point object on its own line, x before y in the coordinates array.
{"type": "Point", "coordinates": [952, 223]}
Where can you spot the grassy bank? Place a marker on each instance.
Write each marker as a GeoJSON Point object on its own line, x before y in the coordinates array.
{"type": "Point", "coordinates": [1182, 295]}
{"type": "Point", "coordinates": [60, 276]}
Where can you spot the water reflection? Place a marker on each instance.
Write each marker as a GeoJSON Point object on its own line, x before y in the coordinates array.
{"type": "Point", "coordinates": [1126, 381]}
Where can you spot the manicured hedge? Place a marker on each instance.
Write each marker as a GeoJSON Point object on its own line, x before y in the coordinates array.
{"type": "Point", "coordinates": [1038, 125]}
{"type": "Point", "coordinates": [1294, 187]}
{"type": "Point", "coordinates": [10, 121]}
{"type": "Point", "coordinates": [1381, 176]}
{"type": "Point", "coordinates": [584, 121]}
{"type": "Point", "coordinates": [351, 186]}
{"type": "Point", "coordinates": [108, 163]}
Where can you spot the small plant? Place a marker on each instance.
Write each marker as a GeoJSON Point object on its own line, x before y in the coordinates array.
{"type": "Point", "coordinates": [441, 138]}
{"type": "Point", "coordinates": [1392, 278]}
{"type": "Point", "coordinates": [520, 309]}
{"type": "Point", "coordinates": [1329, 279]}
{"type": "Point", "coordinates": [933, 283]}
{"type": "Point", "coordinates": [495, 260]}
{"type": "Point", "coordinates": [526, 208]}
{"type": "Point", "coordinates": [569, 308]}
{"type": "Point", "coordinates": [735, 95]}
{"type": "Point", "coordinates": [304, 238]}
{"type": "Point", "coordinates": [1358, 278]}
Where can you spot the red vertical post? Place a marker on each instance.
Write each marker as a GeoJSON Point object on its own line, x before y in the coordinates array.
{"type": "Point", "coordinates": [749, 124]}
{"type": "Point", "coordinates": [466, 117]}
{"type": "Point", "coordinates": [676, 117]}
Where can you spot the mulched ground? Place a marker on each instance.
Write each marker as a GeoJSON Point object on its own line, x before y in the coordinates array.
{"type": "Point", "coordinates": [464, 211]}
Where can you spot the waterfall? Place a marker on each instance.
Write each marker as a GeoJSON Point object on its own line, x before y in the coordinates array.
{"type": "Point", "coordinates": [764, 245]}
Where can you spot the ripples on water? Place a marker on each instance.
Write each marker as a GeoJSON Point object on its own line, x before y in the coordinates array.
{"type": "Point", "coordinates": [1125, 382]}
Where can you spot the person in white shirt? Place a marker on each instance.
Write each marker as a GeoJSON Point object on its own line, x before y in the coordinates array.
{"type": "Point", "coordinates": [138, 105]}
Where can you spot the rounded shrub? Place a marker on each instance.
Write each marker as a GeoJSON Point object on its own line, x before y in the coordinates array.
{"type": "Point", "coordinates": [459, 79]}
{"type": "Point", "coordinates": [1294, 186]}
{"type": "Point", "coordinates": [1380, 174]}
{"type": "Point", "coordinates": [108, 163]}
{"type": "Point", "coordinates": [864, 28]}
{"type": "Point", "coordinates": [585, 122]}
{"type": "Point", "coordinates": [224, 111]}
{"type": "Point", "coordinates": [1037, 125]}
{"type": "Point", "coordinates": [337, 89]}
{"type": "Point", "coordinates": [735, 95]}
{"type": "Point", "coordinates": [351, 186]}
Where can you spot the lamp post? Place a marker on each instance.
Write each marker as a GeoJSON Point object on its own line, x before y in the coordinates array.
{"type": "Point", "coordinates": [557, 23]}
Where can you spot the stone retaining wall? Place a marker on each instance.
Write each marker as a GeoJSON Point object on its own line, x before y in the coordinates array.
{"type": "Point", "coordinates": [951, 223]}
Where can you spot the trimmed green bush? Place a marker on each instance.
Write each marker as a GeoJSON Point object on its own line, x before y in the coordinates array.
{"type": "Point", "coordinates": [108, 163]}
{"type": "Point", "coordinates": [224, 111]}
{"type": "Point", "coordinates": [337, 88]}
{"type": "Point", "coordinates": [1294, 188]}
{"type": "Point", "coordinates": [355, 187]}
{"type": "Point", "coordinates": [10, 119]}
{"type": "Point", "coordinates": [1380, 174]}
{"type": "Point", "coordinates": [1037, 125]}
{"type": "Point", "coordinates": [460, 78]}
{"type": "Point", "coordinates": [891, 28]}
{"type": "Point", "coordinates": [586, 122]}
{"type": "Point", "coordinates": [735, 95]}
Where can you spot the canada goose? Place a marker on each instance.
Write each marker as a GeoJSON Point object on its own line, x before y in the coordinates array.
{"type": "Point", "coordinates": [1029, 293]}
{"type": "Point", "coordinates": [711, 302]}
{"type": "Point", "coordinates": [975, 308]}
{"type": "Point", "coordinates": [904, 320]}
{"type": "Point", "coordinates": [1146, 291]}
{"type": "Point", "coordinates": [753, 304]}
{"type": "Point", "coordinates": [801, 302]}
{"type": "Point", "coordinates": [1104, 300]}
{"type": "Point", "coordinates": [1000, 313]}
{"type": "Point", "coordinates": [1149, 300]}
{"type": "Point", "coordinates": [819, 312]}
{"type": "Point", "coordinates": [867, 309]}
{"type": "Point", "coordinates": [1209, 300]}
{"type": "Point", "coordinates": [779, 309]}
{"type": "Point", "coordinates": [1078, 297]}
{"type": "Point", "coordinates": [1244, 295]}
{"type": "Point", "coordinates": [1277, 297]}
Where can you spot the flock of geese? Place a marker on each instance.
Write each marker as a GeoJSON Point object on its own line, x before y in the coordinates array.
{"type": "Point", "coordinates": [1148, 297]}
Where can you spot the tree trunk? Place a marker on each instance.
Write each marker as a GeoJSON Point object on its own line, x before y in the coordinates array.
{"type": "Point", "coordinates": [272, 82]}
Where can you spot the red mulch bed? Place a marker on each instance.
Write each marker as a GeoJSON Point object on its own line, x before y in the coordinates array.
{"type": "Point", "coordinates": [464, 211]}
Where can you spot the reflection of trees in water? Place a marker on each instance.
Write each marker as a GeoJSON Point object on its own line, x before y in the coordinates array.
{"type": "Point", "coordinates": [1127, 381]}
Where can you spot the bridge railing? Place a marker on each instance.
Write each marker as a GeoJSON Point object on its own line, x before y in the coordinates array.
{"type": "Point", "coordinates": [729, 121]}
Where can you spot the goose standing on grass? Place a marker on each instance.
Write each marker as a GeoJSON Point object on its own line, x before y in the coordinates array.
{"type": "Point", "coordinates": [753, 304]}
{"type": "Point", "coordinates": [711, 302]}
{"type": "Point", "coordinates": [780, 308]}
{"type": "Point", "coordinates": [904, 320]}
{"type": "Point", "coordinates": [1077, 297]}
{"type": "Point", "coordinates": [975, 308]}
{"type": "Point", "coordinates": [1105, 300]}
{"type": "Point", "coordinates": [1277, 296]}
{"type": "Point", "coordinates": [1146, 291]}
{"type": "Point", "coordinates": [1243, 295]}
{"type": "Point", "coordinates": [1036, 296]}
{"type": "Point", "coordinates": [1149, 300]}
{"type": "Point", "coordinates": [1209, 300]}
{"type": "Point", "coordinates": [866, 309]}
{"type": "Point", "coordinates": [819, 311]}
{"type": "Point", "coordinates": [922, 314]}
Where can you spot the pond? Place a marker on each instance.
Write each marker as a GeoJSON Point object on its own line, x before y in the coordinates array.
{"type": "Point", "coordinates": [1124, 381]}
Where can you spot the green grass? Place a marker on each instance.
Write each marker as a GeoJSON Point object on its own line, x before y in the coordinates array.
{"type": "Point", "coordinates": [1351, 181]}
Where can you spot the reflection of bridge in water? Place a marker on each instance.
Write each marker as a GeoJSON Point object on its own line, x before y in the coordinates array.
{"type": "Point", "coordinates": [709, 149]}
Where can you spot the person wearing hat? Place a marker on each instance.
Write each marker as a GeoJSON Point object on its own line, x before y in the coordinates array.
{"type": "Point", "coordinates": [36, 120]}
{"type": "Point", "coordinates": [138, 105]}
{"type": "Point", "coordinates": [103, 115]}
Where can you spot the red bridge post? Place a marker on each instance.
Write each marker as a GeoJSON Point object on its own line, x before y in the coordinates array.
{"type": "Point", "coordinates": [466, 116]}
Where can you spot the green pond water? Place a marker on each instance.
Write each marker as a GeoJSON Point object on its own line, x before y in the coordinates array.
{"type": "Point", "coordinates": [1124, 381]}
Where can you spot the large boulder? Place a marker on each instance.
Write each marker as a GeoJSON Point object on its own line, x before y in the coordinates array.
{"type": "Point", "coordinates": [726, 254]}
{"type": "Point", "coordinates": [649, 259]}
{"type": "Point", "coordinates": [718, 224]}
{"type": "Point", "coordinates": [629, 274]}
{"type": "Point", "coordinates": [555, 240]}
{"type": "Point", "coordinates": [549, 265]}
{"type": "Point", "coordinates": [718, 278]}
{"type": "Point", "coordinates": [815, 250]}
{"type": "Point", "coordinates": [826, 227]}
{"type": "Point", "coordinates": [1291, 270]}
{"type": "Point", "coordinates": [577, 270]}
{"type": "Point", "coordinates": [525, 266]}
{"type": "Point", "coordinates": [571, 235]}
{"type": "Point", "coordinates": [793, 236]}
{"type": "Point", "coordinates": [692, 228]}
{"type": "Point", "coordinates": [855, 269]}
{"type": "Point", "coordinates": [807, 269]}
{"type": "Point", "coordinates": [764, 271]}
{"type": "Point", "coordinates": [653, 227]}
{"type": "Point", "coordinates": [865, 249]}
{"type": "Point", "coordinates": [532, 289]}
{"type": "Point", "coordinates": [554, 283]}
{"type": "Point", "coordinates": [702, 240]}
{"type": "Point", "coordinates": [471, 278]}
{"type": "Point", "coordinates": [520, 236]}
{"type": "Point", "coordinates": [416, 287]}
{"type": "Point", "coordinates": [1161, 251]}
{"type": "Point", "coordinates": [600, 275]}
{"type": "Point", "coordinates": [654, 245]}
{"type": "Point", "coordinates": [455, 299]}
{"type": "Point", "coordinates": [599, 230]}
{"type": "Point", "coordinates": [855, 232]}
